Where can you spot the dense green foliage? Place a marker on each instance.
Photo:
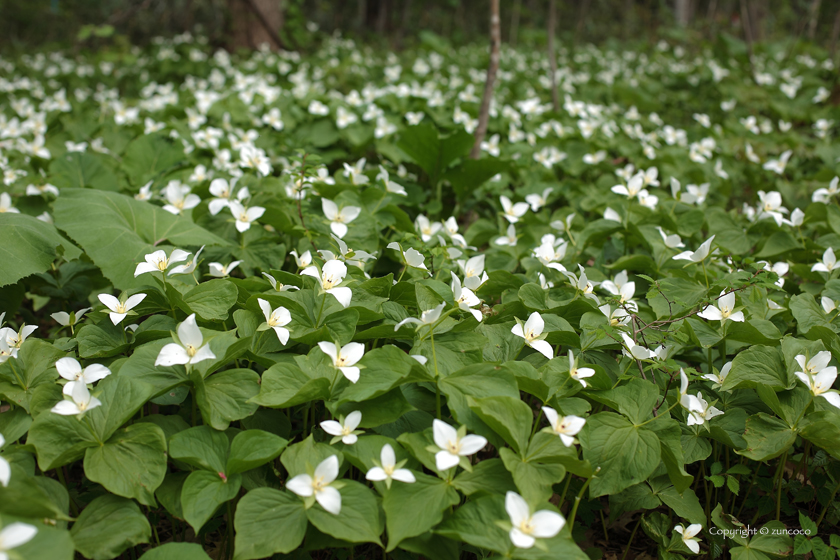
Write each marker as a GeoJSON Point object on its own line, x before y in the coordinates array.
{"type": "Point", "coordinates": [269, 306]}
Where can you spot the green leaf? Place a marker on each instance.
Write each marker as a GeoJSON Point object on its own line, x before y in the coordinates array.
{"type": "Point", "coordinates": [296, 457]}
{"type": "Point", "coordinates": [79, 170]}
{"type": "Point", "coordinates": [176, 551]}
{"type": "Point", "coordinates": [101, 341]}
{"type": "Point", "coordinates": [757, 365]}
{"type": "Point", "coordinates": [126, 230]}
{"type": "Point", "coordinates": [766, 437]}
{"type": "Point", "coordinates": [224, 396]}
{"type": "Point", "coordinates": [475, 523]}
{"type": "Point", "coordinates": [149, 156]}
{"type": "Point", "coordinates": [28, 246]}
{"type": "Point", "coordinates": [108, 526]}
{"type": "Point", "coordinates": [212, 299]}
{"type": "Point", "coordinates": [252, 448]}
{"type": "Point", "coordinates": [26, 496]}
{"type": "Point", "coordinates": [49, 542]}
{"type": "Point", "coordinates": [487, 477]}
{"type": "Point", "coordinates": [823, 430]}
{"type": "Point", "coordinates": [413, 509]}
{"type": "Point", "coordinates": [132, 463]}
{"type": "Point", "coordinates": [201, 447]}
{"type": "Point", "coordinates": [259, 515]}
{"type": "Point", "coordinates": [204, 492]}
{"type": "Point", "coordinates": [284, 385]}
{"type": "Point", "coordinates": [534, 480]}
{"type": "Point", "coordinates": [509, 417]}
{"type": "Point", "coordinates": [359, 519]}
{"type": "Point", "coordinates": [627, 454]}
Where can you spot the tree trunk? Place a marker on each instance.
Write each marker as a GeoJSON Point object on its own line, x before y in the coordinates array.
{"type": "Point", "coordinates": [406, 20]}
{"type": "Point", "coordinates": [514, 23]}
{"type": "Point", "coordinates": [835, 33]}
{"type": "Point", "coordinates": [681, 9]}
{"type": "Point", "coordinates": [814, 15]}
{"type": "Point", "coordinates": [748, 32]}
{"type": "Point", "coordinates": [382, 18]}
{"type": "Point", "coordinates": [581, 22]}
{"type": "Point", "coordinates": [361, 15]}
{"type": "Point", "coordinates": [495, 43]}
{"type": "Point", "coordinates": [255, 22]}
{"type": "Point", "coordinates": [552, 56]}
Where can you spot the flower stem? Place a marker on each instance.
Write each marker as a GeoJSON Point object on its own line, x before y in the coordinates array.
{"type": "Point", "coordinates": [579, 497]}
{"type": "Point", "coordinates": [779, 484]}
{"type": "Point", "coordinates": [705, 275]}
{"type": "Point", "coordinates": [321, 311]}
{"type": "Point", "coordinates": [633, 534]}
{"type": "Point", "coordinates": [828, 504]}
{"type": "Point", "coordinates": [437, 375]}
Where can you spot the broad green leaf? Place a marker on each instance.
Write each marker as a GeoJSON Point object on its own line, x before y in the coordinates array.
{"type": "Point", "coordinates": [28, 246]}
{"type": "Point", "coordinates": [757, 365]}
{"type": "Point", "coordinates": [766, 437]}
{"type": "Point", "coordinates": [48, 542]}
{"type": "Point", "coordinates": [132, 463]}
{"type": "Point", "coordinates": [149, 156]}
{"type": "Point", "coordinates": [224, 396]}
{"type": "Point", "coordinates": [126, 230]}
{"type": "Point", "coordinates": [487, 477]}
{"type": "Point", "coordinates": [211, 300]}
{"type": "Point", "coordinates": [201, 447]}
{"type": "Point", "coordinates": [259, 514]}
{"type": "Point", "coordinates": [26, 497]}
{"type": "Point", "coordinates": [413, 509]}
{"type": "Point", "coordinates": [306, 455]}
{"type": "Point", "coordinates": [79, 170]}
{"type": "Point", "coordinates": [359, 519]}
{"type": "Point", "coordinates": [509, 417]}
{"type": "Point", "coordinates": [475, 523]}
{"type": "Point", "coordinates": [534, 480]}
{"type": "Point", "coordinates": [204, 492]}
{"type": "Point", "coordinates": [627, 454]}
{"type": "Point", "coordinates": [252, 448]}
{"type": "Point", "coordinates": [176, 551]}
{"type": "Point", "coordinates": [101, 341]}
{"type": "Point", "coordinates": [108, 526]}
{"type": "Point", "coordinates": [284, 385]}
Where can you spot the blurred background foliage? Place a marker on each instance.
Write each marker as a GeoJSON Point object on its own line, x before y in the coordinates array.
{"type": "Point", "coordinates": [116, 24]}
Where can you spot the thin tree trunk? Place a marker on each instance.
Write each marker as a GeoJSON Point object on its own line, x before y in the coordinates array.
{"type": "Point", "coordinates": [835, 33]}
{"type": "Point", "coordinates": [552, 56]}
{"type": "Point", "coordinates": [812, 22]}
{"type": "Point", "coordinates": [254, 22]}
{"type": "Point", "coordinates": [514, 23]}
{"type": "Point", "coordinates": [406, 18]}
{"type": "Point", "coordinates": [581, 22]}
{"type": "Point", "coordinates": [711, 18]}
{"type": "Point", "coordinates": [748, 35]}
{"type": "Point", "coordinates": [361, 14]}
{"type": "Point", "coordinates": [382, 18]}
{"type": "Point", "coordinates": [681, 8]}
{"type": "Point", "coordinates": [495, 43]}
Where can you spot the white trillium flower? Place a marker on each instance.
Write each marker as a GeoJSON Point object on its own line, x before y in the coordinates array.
{"type": "Point", "coordinates": [278, 286]}
{"type": "Point", "coordinates": [453, 445]}
{"type": "Point", "coordinates": [464, 298]}
{"type": "Point", "coordinates": [304, 260]}
{"type": "Point", "coordinates": [276, 319]}
{"type": "Point", "coordinates": [119, 309]}
{"type": "Point", "coordinates": [244, 216]}
{"type": "Point", "coordinates": [634, 350]}
{"type": "Point", "coordinates": [689, 536]}
{"type": "Point", "coordinates": [672, 241]}
{"type": "Point", "coordinates": [426, 228]}
{"type": "Point", "coordinates": [828, 262]}
{"type": "Point", "coordinates": [390, 186]}
{"type": "Point", "coordinates": [576, 373]}
{"type": "Point", "coordinates": [159, 262]}
{"type": "Point", "coordinates": [388, 469]}
{"type": "Point", "coordinates": [15, 535]}
{"type": "Point", "coordinates": [80, 400]}
{"type": "Point", "coordinates": [566, 427]}
{"type": "Point", "coordinates": [473, 269]}
{"type": "Point", "coordinates": [222, 190]}
{"type": "Point", "coordinates": [179, 198]}
{"type": "Point", "coordinates": [828, 304]}
{"type": "Point", "coordinates": [699, 255]}
{"type": "Point", "coordinates": [5, 468]}
{"type": "Point", "coordinates": [332, 274]}
{"type": "Point", "coordinates": [699, 410]}
{"type": "Point", "coordinates": [219, 270]}
{"type": "Point", "coordinates": [345, 357]}
{"type": "Point", "coordinates": [69, 319]}
{"type": "Point", "coordinates": [723, 310]}
{"type": "Point", "coordinates": [532, 332]}
{"type": "Point", "coordinates": [345, 429]}
{"type": "Point", "coordinates": [537, 201]}
{"type": "Point", "coordinates": [190, 348]}
{"type": "Point", "coordinates": [427, 317]}
{"type": "Point", "coordinates": [720, 378]}
{"type": "Point", "coordinates": [512, 212]}
{"type": "Point", "coordinates": [412, 257]}
{"type": "Point", "coordinates": [509, 239]}
{"type": "Point", "coordinates": [189, 266]}
{"type": "Point", "coordinates": [778, 165]}
{"type": "Point", "coordinates": [824, 195]}
{"type": "Point", "coordinates": [527, 528]}
{"type": "Point", "coordinates": [71, 370]}
{"type": "Point", "coordinates": [318, 485]}
{"type": "Point", "coordinates": [633, 188]}
{"type": "Point", "coordinates": [339, 218]}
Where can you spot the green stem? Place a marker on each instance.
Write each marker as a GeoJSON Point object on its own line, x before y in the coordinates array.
{"type": "Point", "coordinates": [578, 499]}
{"type": "Point", "coordinates": [828, 504]}
{"type": "Point", "coordinates": [230, 529]}
{"type": "Point", "coordinates": [803, 412]}
{"type": "Point", "coordinates": [437, 375]}
{"type": "Point", "coordinates": [14, 370]}
{"type": "Point", "coordinates": [633, 534]}
{"type": "Point", "coordinates": [779, 484]}
{"type": "Point", "coordinates": [321, 311]}
{"type": "Point", "coordinates": [705, 275]}
{"type": "Point", "coordinates": [746, 495]}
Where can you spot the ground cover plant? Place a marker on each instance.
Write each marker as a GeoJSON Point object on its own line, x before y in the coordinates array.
{"type": "Point", "coordinates": [268, 306]}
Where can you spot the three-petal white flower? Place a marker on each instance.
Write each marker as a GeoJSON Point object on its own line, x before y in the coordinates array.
{"type": "Point", "coordinates": [318, 485]}
{"type": "Point", "coordinates": [345, 357]}
{"type": "Point", "coordinates": [388, 469]}
{"type": "Point", "coordinates": [527, 528]}
{"type": "Point", "coordinates": [332, 274]}
{"type": "Point", "coordinates": [159, 262]}
{"type": "Point", "coordinates": [564, 426]}
{"type": "Point", "coordinates": [828, 262]}
{"type": "Point", "coordinates": [723, 310]}
{"type": "Point", "coordinates": [532, 332]}
{"type": "Point", "coordinates": [344, 429]}
{"type": "Point", "coordinates": [71, 370]}
{"type": "Point", "coordinates": [689, 536]}
{"type": "Point", "coordinates": [699, 255]}
{"type": "Point", "coordinates": [119, 309]}
{"type": "Point", "coordinates": [339, 218]}
{"type": "Point", "coordinates": [453, 445]}
{"type": "Point", "coordinates": [80, 400]}
{"type": "Point", "coordinates": [576, 373]}
{"type": "Point", "coordinates": [189, 350]}
{"type": "Point", "coordinates": [276, 319]}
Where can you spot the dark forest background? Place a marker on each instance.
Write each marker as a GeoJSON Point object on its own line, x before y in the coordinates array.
{"type": "Point", "coordinates": [42, 24]}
